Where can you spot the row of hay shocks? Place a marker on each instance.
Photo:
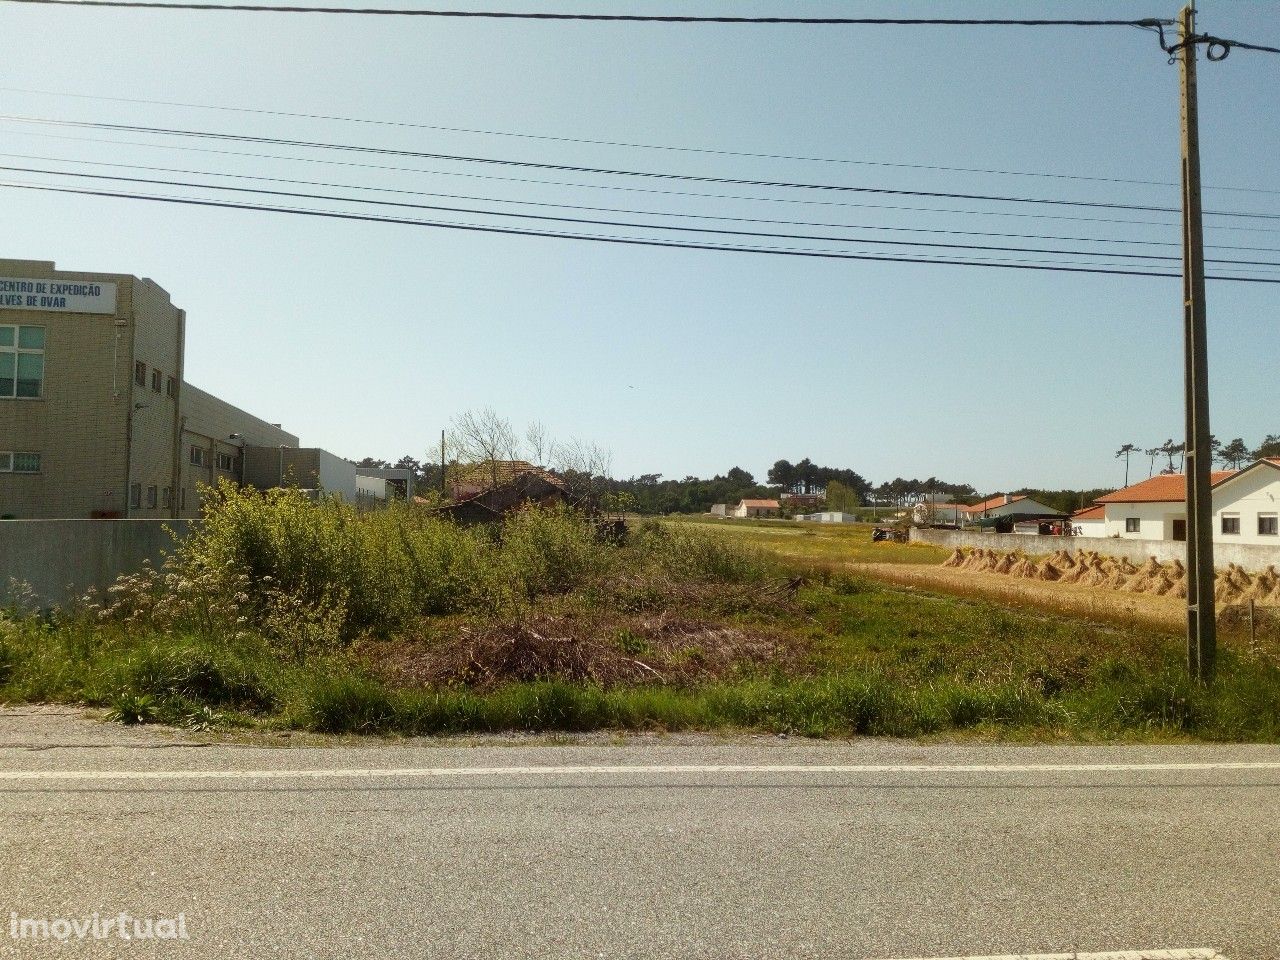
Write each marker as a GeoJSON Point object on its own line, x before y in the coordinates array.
{"type": "Point", "coordinates": [1091, 569]}
{"type": "Point", "coordinates": [1232, 585]}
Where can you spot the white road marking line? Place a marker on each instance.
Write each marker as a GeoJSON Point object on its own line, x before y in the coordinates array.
{"type": "Point", "coordinates": [373, 773]}
{"type": "Point", "coordinates": [1195, 954]}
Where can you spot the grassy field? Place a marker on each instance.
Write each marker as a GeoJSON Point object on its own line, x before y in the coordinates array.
{"type": "Point", "coordinates": [292, 616]}
{"type": "Point", "coordinates": [848, 547]}
{"type": "Point", "coordinates": [829, 543]}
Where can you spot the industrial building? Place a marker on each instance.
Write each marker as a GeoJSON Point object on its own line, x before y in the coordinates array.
{"type": "Point", "coordinates": [96, 418]}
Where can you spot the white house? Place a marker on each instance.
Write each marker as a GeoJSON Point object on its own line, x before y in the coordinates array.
{"type": "Point", "coordinates": [827, 516]}
{"type": "Point", "coordinates": [1006, 505]}
{"type": "Point", "coordinates": [1154, 509]}
{"type": "Point", "coordinates": [757, 508]}
{"type": "Point", "coordinates": [1245, 507]}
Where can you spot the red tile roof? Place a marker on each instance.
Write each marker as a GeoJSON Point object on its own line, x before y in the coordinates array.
{"type": "Point", "coordinates": [467, 480]}
{"type": "Point", "coordinates": [991, 504]}
{"type": "Point", "coordinates": [1090, 513]}
{"type": "Point", "coordinates": [1165, 488]}
{"type": "Point", "coordinates": [770, 504]}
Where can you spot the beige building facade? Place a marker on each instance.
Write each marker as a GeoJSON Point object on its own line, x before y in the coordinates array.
{"type": "Point", "coordinates": [96, 420]}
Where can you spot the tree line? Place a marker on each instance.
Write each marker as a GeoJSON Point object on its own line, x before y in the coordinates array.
{"type": "Point", "coordinates": [1234, 453]}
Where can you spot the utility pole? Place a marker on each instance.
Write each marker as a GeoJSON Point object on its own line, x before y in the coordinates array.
{"type": "Point", "coordinates": [1201, 615]}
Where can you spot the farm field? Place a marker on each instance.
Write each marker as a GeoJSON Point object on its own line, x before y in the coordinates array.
{"type": "Point", "coordinates": [848, 547]}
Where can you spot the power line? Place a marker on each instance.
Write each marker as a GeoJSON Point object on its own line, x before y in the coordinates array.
{"type": "Point", "coordinates": [708, 151]}
{"type": "Point", "coordinates": [631, 241]}
{"type": "Point", "coordinates": [645, 190]}
{"type": "Point", "coordinates": [608, 171]}
{"type": "Point", "coordinates": [626, 210]}
{"type": "Point", "coordinates": [606, 17]}
{"type": "Point", "coordinates": [614, 223]}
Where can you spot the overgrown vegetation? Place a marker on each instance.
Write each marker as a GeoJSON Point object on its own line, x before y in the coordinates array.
{"type": "Point", "coordinates": [282, 612]}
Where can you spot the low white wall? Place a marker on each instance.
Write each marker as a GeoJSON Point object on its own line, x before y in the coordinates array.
{"type": "Point", "coordinates": [1250, 558]}
{"type": "Point", "coordinates": [61, 559]}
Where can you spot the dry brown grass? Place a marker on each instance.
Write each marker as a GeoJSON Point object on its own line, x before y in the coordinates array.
{"type": "Point", "coordinates": [594, 648]}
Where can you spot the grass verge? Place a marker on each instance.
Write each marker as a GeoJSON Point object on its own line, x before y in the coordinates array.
{"type": "Point", "coordinates": [865, 660]}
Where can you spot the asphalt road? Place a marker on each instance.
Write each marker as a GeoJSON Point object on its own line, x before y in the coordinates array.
{"type": "Point", "coordinates": [700, 847]}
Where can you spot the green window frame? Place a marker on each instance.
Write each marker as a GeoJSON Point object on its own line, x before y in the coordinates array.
{"type": "Point", "coordinates": [21, 362]}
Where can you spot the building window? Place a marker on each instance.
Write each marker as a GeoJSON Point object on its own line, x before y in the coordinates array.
{"type": "Point", "coordinates": [1267, 525]}
{"type": "Point", "coordinates": [19, 462]}
{"type": "Point", "coordinates": [140, 373]}
{"type": "Point", "coordinates": [30, 463]}
{"type": "Point", "coordinates": [226, 461]}
{"type": "Point", "coordinates": [151, 498]}
{"type": "Point", "coordinates": [156, 379]}
{"type": "Point", "coordinates": [167, 496]}
{"type": "Point", "coordinates": [171, 387]}
{"type": "Point", "coordinates": [1230, 523]}
{"type": "Point", "coordinates": [182, 498]}
{"type": "Point", "coordinates": [1132, 525]}
{"type": "Point", "coordinates": [198, 458]}
{"type": "Point", "coordinates": [21, 362]}
{"type": "Point", "coordinates": [135, 495]}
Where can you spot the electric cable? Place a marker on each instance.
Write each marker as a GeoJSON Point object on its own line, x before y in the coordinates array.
{"type": "Point", "coordinates": [644, 190]}
{"type": "Point", "coordinates": [709, 151]}
{"type": "Point", "coordinates": [613, 223]}
{"type": "Point", "coordinates": [631, 241]}
{"type": "Point", "coordinates": [1148, 23]}
{"type": "Point", "coordinates": [609, 171]}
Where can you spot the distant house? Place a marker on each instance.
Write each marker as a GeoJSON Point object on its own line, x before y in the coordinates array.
{"type": "Point", "coordinates": [1246, 506]}
{"type": "Point", "coordinates": [757, 508]}
{"type": "Point", "coordinates": [488, 491]}
{"type": "Point", "coordinates": [1008, 505]}
{"type": "Point", "coordinates": [1090, 522]}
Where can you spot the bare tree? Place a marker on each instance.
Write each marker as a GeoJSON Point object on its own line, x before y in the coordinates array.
{"type": "Point", "coordinates": [538, 441]}
{"type": "Point", "coordinates": [583, 466]}
{"type": "Point", "coordinates": [483, 438]}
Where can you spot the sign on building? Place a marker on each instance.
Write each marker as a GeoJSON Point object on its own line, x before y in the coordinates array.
{"type": "Point", "coordinates": [57, 296]}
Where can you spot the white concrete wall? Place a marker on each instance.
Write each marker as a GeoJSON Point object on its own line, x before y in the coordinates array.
{"type": "Point", "coordinates": [337, 476]}
{"type": "Point", "coordinates": [830, 516]}
{"type": "Point", "coordinates": [61, 559]}
{"type": "Point", "coordinates": [1257, 492]}
{"type": "Point", "coordinates": [1091, 528]}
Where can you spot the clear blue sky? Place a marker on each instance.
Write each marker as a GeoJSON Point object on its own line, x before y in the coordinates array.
{"type": "Point", "coordinates": [366, 338]}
